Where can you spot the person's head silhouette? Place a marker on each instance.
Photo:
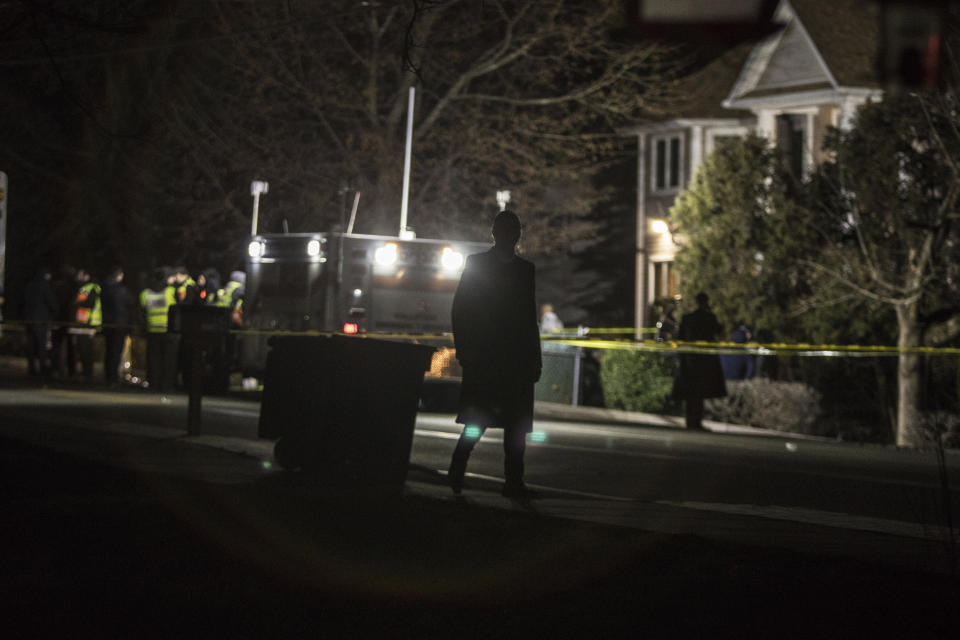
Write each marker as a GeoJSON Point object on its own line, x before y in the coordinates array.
{"type": "Point", "coordinates": [506, 231]}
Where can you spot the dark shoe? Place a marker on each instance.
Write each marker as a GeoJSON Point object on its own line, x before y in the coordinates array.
{"type": "Point", "coordinates": [518, 492]}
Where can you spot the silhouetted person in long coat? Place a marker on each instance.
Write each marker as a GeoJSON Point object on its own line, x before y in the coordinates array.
{"type": "Point", "coordinates": [116, 300]}
{"type": "Point", "coordinates": [498, 345]}
{"type": "Point", "coordinates": [701, 375]}
{"type": "Point", "coordinates": [39, 310]}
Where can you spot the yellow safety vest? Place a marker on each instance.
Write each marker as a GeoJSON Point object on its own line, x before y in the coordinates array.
{"type": "Point", "coordinates": [225, 295]}
{"type": "Point", "coordinates": [89, 313]}
{"type": "Point", "coordinates": [182, 289]}
{"type": "Point", "coordinates": [157, 304]}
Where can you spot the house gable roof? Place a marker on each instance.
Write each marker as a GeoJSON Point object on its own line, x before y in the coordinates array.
{"type": "Point", "coordinates": [701, 93]}
{"type": "Point", "coordinates": [826, 44]}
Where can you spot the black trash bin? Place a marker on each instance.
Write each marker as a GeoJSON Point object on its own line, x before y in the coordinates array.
{"type": "Point", "coordinates": [343, 407]}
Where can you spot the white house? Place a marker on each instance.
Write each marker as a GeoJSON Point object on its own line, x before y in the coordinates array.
{"type": "Point", "coordinates": [790, 87]}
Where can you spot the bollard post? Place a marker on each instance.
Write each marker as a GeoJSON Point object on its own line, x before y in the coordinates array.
{"type": "Point", "coordinates": [202, 328]}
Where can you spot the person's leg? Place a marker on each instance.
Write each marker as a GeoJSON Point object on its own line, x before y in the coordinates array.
{"type": "Point", "coordinates": [155, 361]}
{"type": "Point", "coordinates": [71, 354]}
{"type": "Point", "coordinates": [458, 463]}
{"type": "Point", "coordinates": [35, 335]}
{"type": "Point", "coordinates": [694, 411]}
{"type": "Point", "coordinates": [58, 354]}
{"type": "Point", "coordinates": [113, 352]}
{"type": "Point", "coordinates": [514, 446]}
{"type": "Point", "coordinates": [85, 352]}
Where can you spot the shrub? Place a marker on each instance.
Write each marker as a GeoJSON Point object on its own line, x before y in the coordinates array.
{"type": "Point", "coordinates": [637, 380]}
{"type": "Point", "coordinates": [769, 404]}
{"type": "Point", "coordinates": [942, 426]}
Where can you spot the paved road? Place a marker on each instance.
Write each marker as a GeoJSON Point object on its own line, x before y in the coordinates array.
{"type": "Point", "coordinates": [769, 490]}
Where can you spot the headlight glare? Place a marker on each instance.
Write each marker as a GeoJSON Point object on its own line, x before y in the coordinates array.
{"type": "Point", "coordinates": [450, 259]}
{"type": "Point", "coordinates": [387, 254]}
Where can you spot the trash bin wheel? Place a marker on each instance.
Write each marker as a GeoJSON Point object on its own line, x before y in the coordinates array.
{"type": "Point", "coordinates": [286, 454]}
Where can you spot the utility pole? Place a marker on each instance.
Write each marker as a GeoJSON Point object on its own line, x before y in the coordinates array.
{"type": "Point", "coordinates": [256, 188]}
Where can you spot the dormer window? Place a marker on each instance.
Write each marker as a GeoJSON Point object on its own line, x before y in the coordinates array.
{"type": "Point", "coordinates": [667, 174]}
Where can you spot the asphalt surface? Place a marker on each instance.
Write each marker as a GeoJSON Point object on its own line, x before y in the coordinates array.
{"type": "Point", "coordinates": [125, 529]}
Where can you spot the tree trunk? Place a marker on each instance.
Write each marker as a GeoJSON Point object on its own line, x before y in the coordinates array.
{"type": "Point", "coordinates": [908, 378]}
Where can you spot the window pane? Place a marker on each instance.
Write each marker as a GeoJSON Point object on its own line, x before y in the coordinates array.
{"type": "Point", "coordinates": [660, 172]}
{"type": "Point", "coordinates": [790, 140]}
{"type": "Point", "coordinates": [672, 289]}
{"type": "Point", "coordinates": [674, 162]}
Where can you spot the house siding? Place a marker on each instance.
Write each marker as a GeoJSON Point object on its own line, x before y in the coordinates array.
{"type": "Point", "coordinates": [807, 71]}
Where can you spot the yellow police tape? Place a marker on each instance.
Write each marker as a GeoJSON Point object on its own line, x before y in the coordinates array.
{"type": "Point", "coordinates": [795, 349]}
{"type": "Point", "coordinates": [570, 338]}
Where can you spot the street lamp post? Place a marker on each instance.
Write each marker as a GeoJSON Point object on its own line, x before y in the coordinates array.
{"type": "Point", "coordinates": [404, 232]}
{"type": "Point", "coordinates": [256, 188]}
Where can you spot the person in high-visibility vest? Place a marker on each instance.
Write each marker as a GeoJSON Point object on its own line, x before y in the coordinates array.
{"type": "Point", "coordinates": [187, 290]}
{"type": "Point", "coordinates": [88, 317]}
{"type": "Point", "coordinates": [208, 283]}
{"type": "Point", "coordinates": [231, 297]}
{"type": "Point", "coordinates": [155, 303]}
{"type": "Point", "coordinates": [232, 293]}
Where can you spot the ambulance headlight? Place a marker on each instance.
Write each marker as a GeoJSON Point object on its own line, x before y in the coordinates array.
{"type": "Point", "coordinates": [313, 248]}
{"type": "Point", "coordinates": [450, 259]}
{"type": "Point", "coordinates": [387, 254]}
{"type": "Point", "coordinates": [256, 249]}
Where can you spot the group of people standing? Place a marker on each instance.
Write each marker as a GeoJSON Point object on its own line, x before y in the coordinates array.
{"type": "Point", "coordinates": [64, 313]}
{"type": "Point", "coordinates": [169, 288]}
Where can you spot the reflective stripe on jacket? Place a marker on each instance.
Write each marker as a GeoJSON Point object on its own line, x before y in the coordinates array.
{"type": "Point", "coordinates": [89, 311]}
{"type": "Point", "coordinates": [156, 305]}
{"type": "Point", "coordinates": [225, 295]}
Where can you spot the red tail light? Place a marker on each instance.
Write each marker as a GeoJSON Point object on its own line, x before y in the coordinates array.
{"type": "Point", "coordinates": [350, 327]}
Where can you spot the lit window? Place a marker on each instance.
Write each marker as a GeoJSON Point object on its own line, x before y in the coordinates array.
{"type": "Point", "coordinates": [664, 280]}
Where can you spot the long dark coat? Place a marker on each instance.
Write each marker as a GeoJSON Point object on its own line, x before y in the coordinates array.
{"type": "Point", "coordinates": [116, 302]}
{"type": "Point", "coordinates": [701, 375]}
{"type": "Point", "coordinates": [39, 300]}
{"type": "Point", "coordinates": [497, 341]}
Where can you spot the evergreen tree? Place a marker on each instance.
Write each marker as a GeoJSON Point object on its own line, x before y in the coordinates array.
{"type": "Point", "coordinates": [740, 233]}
